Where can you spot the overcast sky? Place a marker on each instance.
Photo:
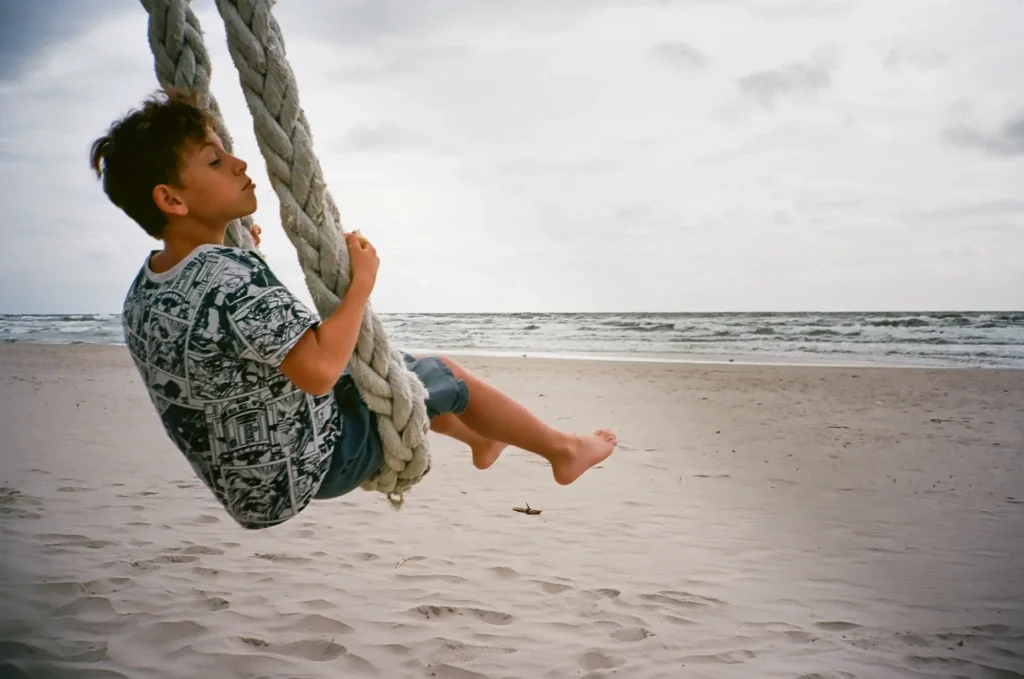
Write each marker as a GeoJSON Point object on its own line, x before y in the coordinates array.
{"type": "Point", "coordinates": [571, 155]}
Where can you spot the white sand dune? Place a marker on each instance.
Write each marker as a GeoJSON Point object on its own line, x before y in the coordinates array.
{"type": "Point", "coordinates": [756, 522]}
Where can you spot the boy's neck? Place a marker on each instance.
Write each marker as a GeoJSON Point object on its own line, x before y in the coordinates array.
{"type": "Point", "coordinates": [179, 242]}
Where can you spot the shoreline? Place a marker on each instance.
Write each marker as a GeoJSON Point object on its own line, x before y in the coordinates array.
{"type": "Point", "coordinates": [715, 359]}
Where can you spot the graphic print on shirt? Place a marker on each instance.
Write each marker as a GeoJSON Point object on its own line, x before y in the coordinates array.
{"type": "Point", "coordinates": [207, 341]}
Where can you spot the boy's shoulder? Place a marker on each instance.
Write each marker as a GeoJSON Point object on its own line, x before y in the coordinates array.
{"type": "Point", "coordinates": [206, 271]}
{"type": "Point", "coordinates": [246, 258]}
{"type": "Point", "coordinates": [204, 262]}
{"type": "Point", "coordinates": [233, 289]}
{"type": "Point", "coordinates": [224, 258]}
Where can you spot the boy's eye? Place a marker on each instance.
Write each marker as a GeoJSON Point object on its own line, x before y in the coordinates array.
{"type": "Point", "coordinates": [215, 161]}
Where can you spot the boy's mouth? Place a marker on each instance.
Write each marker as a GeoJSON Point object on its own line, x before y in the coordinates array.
{"type": "Point", "coordinates": [248, 185]}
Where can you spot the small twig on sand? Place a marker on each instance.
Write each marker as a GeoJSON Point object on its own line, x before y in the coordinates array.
{"type": "Point", "coordinates": [527, 509]}
{"type": "Point", "coordinates": [402, 561]}
{"type": "Point", "coordinates": [837, 426]}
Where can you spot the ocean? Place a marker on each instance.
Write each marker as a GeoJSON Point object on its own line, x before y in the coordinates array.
{"type": "Point", "coordinates": [947, 339]}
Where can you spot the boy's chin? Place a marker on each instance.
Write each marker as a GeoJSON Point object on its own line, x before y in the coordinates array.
{"type": "Point", "coordinates": [247, 210]}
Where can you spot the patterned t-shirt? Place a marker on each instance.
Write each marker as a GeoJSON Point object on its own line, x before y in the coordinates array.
{"type": "Point", "coordinates": [207, 336]}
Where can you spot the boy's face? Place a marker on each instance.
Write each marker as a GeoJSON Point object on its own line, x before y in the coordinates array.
{"type": "Point", "coordinates": [215, 188]}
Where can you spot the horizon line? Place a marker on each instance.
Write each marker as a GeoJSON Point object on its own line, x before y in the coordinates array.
{"type": "Point", "coordinates": [618, 312]}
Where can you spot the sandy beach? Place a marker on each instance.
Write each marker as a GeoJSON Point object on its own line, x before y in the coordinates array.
{"type": "Point", "coordinates": [757, 521]}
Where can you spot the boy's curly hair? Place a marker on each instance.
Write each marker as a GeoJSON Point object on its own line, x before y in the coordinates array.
{"type": "Point", "coordinates": [144, 149]}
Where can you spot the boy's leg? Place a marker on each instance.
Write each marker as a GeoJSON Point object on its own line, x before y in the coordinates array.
{"type": "Point", "coordinates": [495, 416]}
{"type": "Point", "coordinates": [485, 451]}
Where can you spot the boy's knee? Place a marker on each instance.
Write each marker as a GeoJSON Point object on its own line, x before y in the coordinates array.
{"type": "Point", "coordinates": [448, 362]}
{"type": "Point", "coordinates": [456, 369]}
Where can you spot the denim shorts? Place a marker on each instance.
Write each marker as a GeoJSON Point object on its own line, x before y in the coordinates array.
{"type": "Point", "coordinates": [359, 453]}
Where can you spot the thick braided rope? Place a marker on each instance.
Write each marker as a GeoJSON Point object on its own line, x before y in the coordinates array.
{"type": "Point", "coordinates": [181, 61]}
{"type": "Point", "coordinates": [308, 213]}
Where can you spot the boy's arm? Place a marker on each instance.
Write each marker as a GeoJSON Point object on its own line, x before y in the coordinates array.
{"type": "Point", "coordinates": [317, 360]}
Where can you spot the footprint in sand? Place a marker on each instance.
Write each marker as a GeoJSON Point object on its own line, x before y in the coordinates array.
{"type": "Point", "coordinates": [992, 628]}
{"type": "Point", "coordinates": [205, 572]}
{"type": "Point", "coordinates": [105, 585]}
{"type": "Point", "coordinates": [552, 587]}
{"type": "Point", "coordinates": [281, 558]}
{"type": "Point", "coordinates": [317, 650]}
{"type": "Point", "coordinates": [175, 558]}
{"type": "Point", "coordinates": [96, 544]}
{"type": "Point", "coordinates": [18, 513]}
{"type": "Point", "coordinates": [153, 634]}
{"type": "Point", "coordinates": [440, 612]}
{"type": "Point", "coordinates": [503, 572]}
{"type": "Point", "coordinates": [196, 549]}
{"type": "Point", "coordinates": [456, 651]}
{"type": "Point", "coordinates": [432, 577]}
{"type": "Point", "coordinates": [676, 620]}
{"type": "Point", "coordinates": [836, 625]}
{"type": "Point", "coordinates": [155, 563]}
{"type": "Point", "coordinates": [631, 634]}
{"type": "Point", "coordinates": [69, 652]}
{"type": "Point", "coordinates": [596, 660]}
{"type": "Point", "coordinates": [312, 623]}
{"type": "Point", "coordinates": [728, 658]}
{"type": "Point", "coordinates": [941, 666]}
{"type": "Point", "coordinates": [214, 603]}
{"type": "Point", "coordinates": [683, 599]}
{"type": "Point", "coordinates": [86, 606]}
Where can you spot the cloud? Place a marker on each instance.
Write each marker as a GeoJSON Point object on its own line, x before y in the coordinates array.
{"type": "Point", "coordinates": [789, 9]}
{"type": "Point", "coordinates": [549, 167]}
{"type": "Point", "coordinates": [1006, 140]}
{"type": "Point", "coordinates": [385, 137]}
{"type": "Point", "coordinates": [680, 55]}
{"type": "Point", "coordinates": [925, 59]}
{"type": "Point", "coordinates": [403, 61]}
{"type": "Point", "coordinates": [366, 23]}
{"type": "Point", "coordinates": [28, 28]}
{"type": "Point", "coordinates": [795, 78]}
{"type": "Point", "coordinates": [985, 208]}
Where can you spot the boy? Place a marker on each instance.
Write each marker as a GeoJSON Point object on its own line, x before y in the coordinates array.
{"type": "Point", "coordinates": [249, 385]}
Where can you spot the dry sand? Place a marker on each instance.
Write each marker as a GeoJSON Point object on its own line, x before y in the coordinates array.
{"type": "Point", "coordinates": [756, 522]}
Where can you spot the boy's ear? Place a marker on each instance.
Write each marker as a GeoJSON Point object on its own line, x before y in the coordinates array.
{"type": "Point", "coordinates": [168, 201]}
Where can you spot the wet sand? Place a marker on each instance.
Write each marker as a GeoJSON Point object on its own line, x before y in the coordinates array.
{"type": "Point", "coordinates": [757, 521]}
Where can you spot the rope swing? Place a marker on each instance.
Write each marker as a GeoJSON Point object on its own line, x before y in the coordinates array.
{"type": "Point", "coordinates": [309, 215]}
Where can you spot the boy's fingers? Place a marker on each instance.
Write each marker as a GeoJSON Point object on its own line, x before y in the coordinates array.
{"type": "Point", "coordinates": [354, 239]}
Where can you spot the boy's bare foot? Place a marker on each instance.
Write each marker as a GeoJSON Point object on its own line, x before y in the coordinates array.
{"type": "Point", "coordinates": [585, 452]}
{"type": "Point", "coordinates": [486, 455]}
